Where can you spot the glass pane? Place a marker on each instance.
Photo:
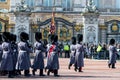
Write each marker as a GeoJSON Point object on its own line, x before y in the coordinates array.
{"type": "Point", "coordinates": [58, 2]}
{"type": "Point", "coordinates": [67, 3]}
{"type": "Point", "coordinates": [117, 3]}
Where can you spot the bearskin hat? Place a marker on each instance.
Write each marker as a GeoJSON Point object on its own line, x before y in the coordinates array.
{"type": "Point", "coordinates": [38, 36]}
{"type": "Point", "coordinates": [14, 37]}
{"type": "Point", "coordinates": [112, 41]}
{"type": "Point", "coordinates": [6, 36]}
{"type": "Point", "coordinates": [52, 38]}
{"type": "Point", "coordinates": [79, 37]}
{"type": "Point", "coordinates": [55, 38]}
{"type": "Point", "coordinates": [11, 37]}
{"type": "Point", "coordinates": [24, 36]}
{"type": "Point", "coordinates": [73, 40]}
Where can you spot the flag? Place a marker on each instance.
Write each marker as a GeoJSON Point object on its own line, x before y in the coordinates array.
{"type": "Point", "coordinates": [52, 27]}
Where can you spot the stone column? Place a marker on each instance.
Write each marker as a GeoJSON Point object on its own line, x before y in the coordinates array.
{"type": "Point", "coordinates": [90, 29]}
{"type": "Point", "coordinates": [22, 23]}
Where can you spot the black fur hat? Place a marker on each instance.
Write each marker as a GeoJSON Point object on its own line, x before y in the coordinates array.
{"type": "Point", "coordinates": [79, 37]}
{"type": "Point", "coordinates": [11, 37]}
{"type": "Point", "coordinates": [14, 37]}
{"type": "Point", "coordinates": [52, 38]}
{"type": "Point", "coordinates": [55, 38]}
{"type": "Point", "coordinates": [24, 36]}
{"type": "Point", "coordinates": [38, 36]}
{"type": "Point", "coordinates": [73, 40]}
{"type": "Point", "coordinates": [6, 36]}
{"type": "Point", "coordinates": [112, 41]}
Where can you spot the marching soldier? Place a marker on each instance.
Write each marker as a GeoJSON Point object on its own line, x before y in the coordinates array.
{"type": "Point", "coordinates": [112, 54]}
{"type": "Point", "coordinates": [73, 52]}
{"type": "Point", "coordinates": [14, 48]}
{"type": "Point", "coordinates": [7, 60]}
{"type": "Point", "coordinates": [23, 62]}
{"type": "Point", "coordinates": [52, 56]}
{"type": "Point", "coordinates": [38, 62]}
{"type": "Point", "coordinates": [79, 57]}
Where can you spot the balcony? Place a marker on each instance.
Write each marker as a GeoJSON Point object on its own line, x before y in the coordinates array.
{"type": "Point", "coordinates": [109, 11]}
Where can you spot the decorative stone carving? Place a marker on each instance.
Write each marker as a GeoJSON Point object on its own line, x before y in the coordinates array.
{"type": "Point", "coordinates": [90, 7]}
{"type": "Point", "coordinates": [22, 7]}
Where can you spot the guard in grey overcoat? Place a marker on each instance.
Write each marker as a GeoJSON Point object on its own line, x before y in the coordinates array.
{"type": "Point", "coordinates": [112, 54]}
{"type": "Point", "coordinates": [7, 60]}
{"type": "Point", "coordinates": [38, 62]}
{"type": "Point", "coordinates": [14, 48]}
{"type": "Point", "coordinates": [73, 52]}
{"type": "Point", "coordinates": [23, 61]}
{"type": "Point", "coordinates": [79, 57]}
{"type": "Point", "coordinates": [52, 57]}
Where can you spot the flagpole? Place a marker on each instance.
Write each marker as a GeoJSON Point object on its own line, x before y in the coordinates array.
{"type": "Point", "coordinates": [52, 27]}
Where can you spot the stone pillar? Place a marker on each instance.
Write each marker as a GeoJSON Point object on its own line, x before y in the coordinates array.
{"type": "Point", "coordinates": [22, 23]}
{"type": "Point", "coordinates": [90, 29]}
{"type": "Point", "coordinates": [103, 33]}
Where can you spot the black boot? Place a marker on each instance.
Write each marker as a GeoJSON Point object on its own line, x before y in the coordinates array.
{"type": "Point", "coordinates": [33, 71]}
{"type": "Point", "coordinates": [75, 68]}
{"type": "Point", "coordinates": [69, 66]}
{"type": "Point", "coordinates": [48, 73]}
{"type": "Point", "coordinates": [109, 65]}
{"type": "Point", "coordinates": [80, 69]}
{"type": "Point", "coordinates": [10, 74]}
{"type": "Point", "coordinates": [19, 72]}
{"type": "Point", "coordinates": [113, 65]}
{"type": "Point", "coordinates": [26, 73]}
{"type": "Point", "coordinates": [56, 73]}
{"type": "Point", "coordinates": [41, 73]}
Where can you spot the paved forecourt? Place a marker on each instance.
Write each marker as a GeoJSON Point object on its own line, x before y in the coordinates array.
{"type": "Point", "coordinates": [93, 70]}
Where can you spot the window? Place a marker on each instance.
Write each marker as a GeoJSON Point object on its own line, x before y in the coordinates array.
{"type": "Point", "coordinates": [48, 3]}
{"type": "Point", "coordinates": [117, 3]}
{"type": "Point", "coordinates": [67, 5]}
{"type": "Point", "coordinates": [3, 0]}
{"type": "Point", "coordinates": [30, 2]}
{"type": "Point", "coordinates": [58, 2]}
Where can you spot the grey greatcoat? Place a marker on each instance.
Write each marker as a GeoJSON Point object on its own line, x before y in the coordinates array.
{"type": "Point", "coordinates": [52, 57]}
{"type": "Point", "coordinates": [73, 53]}
{"type": "Point", "coordinates": [79, 57]}
{"type": "Point", "coordinates": [38, 62]}
{"type": "Point", "coordinates": [112, 54]}
{"type": "Point", "coordinates": [14, 54]}
{"type": "Point", "coordinates": [23, 62]}
{"type": "Point", "coordinates": [1, 52]}
{"type": "Point", "coordinates": [7, 61]}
